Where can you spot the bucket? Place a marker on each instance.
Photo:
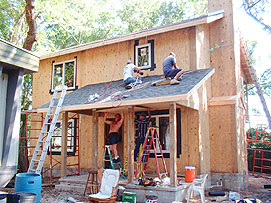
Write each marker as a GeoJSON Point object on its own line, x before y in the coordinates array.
{"type": "Point", "coordinates": [190, 174]}
{"type": "Point", "coordinates": [27, 197]}
{"type": "Point", "coordinates": [28, 182]}
{"type": "Point", "coordinates": [151, 199]}
{"type": "Point", "coordinates": [129, 197]}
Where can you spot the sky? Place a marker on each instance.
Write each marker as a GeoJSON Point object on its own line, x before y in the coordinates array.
{"type": "Point", "coordinates": [251, 30]}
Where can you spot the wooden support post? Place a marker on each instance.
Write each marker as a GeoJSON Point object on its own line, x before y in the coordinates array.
{"type": "Point", "coordinates": [63, 169]}
{"type": "Point", "coordinates": [173, 143]}
{"type": "Point", "coordinates": [94, 140]}
{"type": "Point", "coordinates": [130, 144]}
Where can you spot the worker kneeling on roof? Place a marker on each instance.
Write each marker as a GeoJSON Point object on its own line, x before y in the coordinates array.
{"type": "Point", "coordinates": [171, 69]}
{"type": "Point", "coordinates": [128, 74]}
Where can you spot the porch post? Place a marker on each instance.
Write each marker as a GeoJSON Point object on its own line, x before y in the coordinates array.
{"type": "Point", "coordinates": [94, 140]}
{"type": "Point", "coordinates": [173, 143]}
{"type": "Point", "coordinates": [63, 169]}
{"type": "Point", "coordinates": [130, 144]}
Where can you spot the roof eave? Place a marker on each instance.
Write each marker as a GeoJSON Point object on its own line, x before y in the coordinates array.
{"type": "Point", "coordinates": [12, 55]}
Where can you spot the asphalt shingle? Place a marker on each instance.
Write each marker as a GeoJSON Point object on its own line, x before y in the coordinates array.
{"type": "Point", "coordinates": [80, 96]}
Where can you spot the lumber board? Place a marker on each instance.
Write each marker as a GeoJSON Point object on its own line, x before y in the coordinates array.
{"type": "Point", "coordinates": [173, 143]}
{"type": "Point", "coordinates": [224, 100]}
{"type": "Point", "coordinates": [63, 168]}
{"type": "Point", "coordinates": [131, 145]}
{"type": "Point", "coordinates": [94, 136]}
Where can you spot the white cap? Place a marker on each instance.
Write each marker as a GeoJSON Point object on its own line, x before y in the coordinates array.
{"type": "Point", "coordinates": [129, 61]}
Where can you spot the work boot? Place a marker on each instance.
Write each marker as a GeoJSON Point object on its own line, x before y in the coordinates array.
{"type": "Point", "coordinates": [174, 82]}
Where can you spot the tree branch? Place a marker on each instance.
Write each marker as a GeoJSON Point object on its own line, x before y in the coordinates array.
{"type": "Point", "coordinates": [248, 6]}
{"type": "Point", "coordinates": [32, 27]}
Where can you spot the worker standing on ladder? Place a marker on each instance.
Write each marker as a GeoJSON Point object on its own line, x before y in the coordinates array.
{"type": "Point", "coordinates": [142, 128]}
{"type": "Point", "coordinates": [113, 134]}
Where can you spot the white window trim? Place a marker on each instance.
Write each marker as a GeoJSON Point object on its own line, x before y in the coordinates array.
{"type": "Point", "coordinates": [59, 148]}
{"type": "Point", "coordinates": [149, 48]}
{"type": "Point", "coordinates": [63, 74]}
{"type": "Point", "coordinates": [157, 121]}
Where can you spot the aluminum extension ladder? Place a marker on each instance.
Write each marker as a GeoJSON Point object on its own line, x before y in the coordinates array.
{"type": "Point", "coordinates": [260, 94]}
{"type": "Point", "coordinates": [150, 142]}
{"type": "Point", "coordinates": [44, 140]}
{"type": "Point", "coordinates": [108, 158]}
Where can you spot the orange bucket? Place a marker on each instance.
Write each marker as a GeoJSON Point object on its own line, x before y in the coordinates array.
{"type": "Point", "coordinates": [190, 174]}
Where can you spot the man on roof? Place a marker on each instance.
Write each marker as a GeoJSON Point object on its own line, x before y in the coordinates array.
{"type": "Point", "coordinates": [171, 69]}
{"type": "Point", "coordinates": [113, 134]}
{"type": "Point", "coordinates": [128, 74]}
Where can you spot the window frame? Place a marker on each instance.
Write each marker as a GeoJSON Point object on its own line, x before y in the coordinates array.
{"type": "Point", "coordinates": [150, 56]}
{"type": "Point", "coordinates": [72, 135]}
{"type": "Point", "coordinates": [163, 113]}
{"type": "Point", "coordinates": [63, 74]}
{"type": "Point", "coordinates": [158, 132]}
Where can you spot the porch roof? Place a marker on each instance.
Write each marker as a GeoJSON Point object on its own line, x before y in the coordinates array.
{"type": "Point", "coordinates": [144, 94]}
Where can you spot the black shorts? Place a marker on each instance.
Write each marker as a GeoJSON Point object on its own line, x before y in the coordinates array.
{"type": "Point", "coordinates": [173, 72]}
{"type": "Point", "coordinates": [113, 138]}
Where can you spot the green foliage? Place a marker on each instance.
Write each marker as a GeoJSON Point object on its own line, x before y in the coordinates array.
{"type": "Point", "coordinates": [257, 10]}
{"type": "Point", "coordinates": [12, 24]}
{"type": "Point", "coordinates": [143, 14]}
{"type": "Point", "coordinates": [259, 134]}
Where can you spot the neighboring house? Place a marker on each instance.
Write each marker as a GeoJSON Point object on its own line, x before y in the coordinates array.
{"type": "Point", "coordinates": [204, 113]}
{"type": "Point", "coordinates": [14, 63]}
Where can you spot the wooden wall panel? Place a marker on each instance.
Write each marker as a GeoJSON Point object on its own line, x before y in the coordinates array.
{"type": "Point", "coordinates": [223, 139]}
{"type": "Point", "coordinates": [105, 63]}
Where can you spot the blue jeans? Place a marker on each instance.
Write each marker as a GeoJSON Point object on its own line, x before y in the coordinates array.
{"type": "Point", "coordinates": [130, 80]}
{"type": "Point", "coordinates": [139, 141]}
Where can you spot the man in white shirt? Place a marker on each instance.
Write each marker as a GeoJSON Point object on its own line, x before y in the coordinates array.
{"type": "Point", "coordinates": [128, 74]}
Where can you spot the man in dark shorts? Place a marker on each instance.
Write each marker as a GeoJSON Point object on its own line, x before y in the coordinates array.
{"type": "Point", "coordinates": [171, 69]}
{"type": "Point", "coordinates": [113, 134]}
{"type": "Point", "coordinates": [142, 127]}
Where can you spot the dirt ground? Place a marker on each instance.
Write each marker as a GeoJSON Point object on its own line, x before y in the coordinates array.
{"type": "Point", "coordinates": [255, 190]}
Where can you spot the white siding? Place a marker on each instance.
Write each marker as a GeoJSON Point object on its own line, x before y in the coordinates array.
{"type": "Point", "coordinates": [3, 95]}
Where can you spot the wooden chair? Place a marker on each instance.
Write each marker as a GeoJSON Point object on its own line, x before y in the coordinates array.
{"type": "Point", "coordinates": [108, 181]}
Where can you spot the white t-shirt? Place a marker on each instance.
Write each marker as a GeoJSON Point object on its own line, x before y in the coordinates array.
{"type": "Point", "coordinates": [128, 71]}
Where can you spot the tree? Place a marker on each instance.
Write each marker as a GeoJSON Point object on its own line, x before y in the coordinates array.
{"type": "Point", "coordinates": [256, 9]}
{"type": "Point", "coordinates": [142, 14]}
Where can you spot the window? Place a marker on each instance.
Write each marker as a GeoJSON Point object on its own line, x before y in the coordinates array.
{"type": "Point", "coordinates": [143, 56]}
{"type": "Point", "coordinates": [56, 141]}
{"type": "Point", "coordinates": [160, 119]}
{"type": "Point", "coordinates": [162, 122]}
{"type": "Point", "coordinates": [64, 73]}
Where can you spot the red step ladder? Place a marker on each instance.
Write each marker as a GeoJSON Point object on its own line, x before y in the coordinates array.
{"type": "Point", "coordinates": [151, 139]}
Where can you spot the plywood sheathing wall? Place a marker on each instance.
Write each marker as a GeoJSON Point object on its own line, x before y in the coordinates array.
{"type": "Point", "coordinates": [224, 128]}
{"type": "Point", "coordinates": [98, 65]}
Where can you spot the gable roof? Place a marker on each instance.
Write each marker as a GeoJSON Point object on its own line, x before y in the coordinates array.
{"type": "Point", "coordinates": [140, 95]}
{"type": "Point", "coordinates": [211, 17]}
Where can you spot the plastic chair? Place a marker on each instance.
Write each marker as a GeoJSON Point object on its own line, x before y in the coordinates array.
{"type": "Point", "coordinates": [109, 180]}
{"type": "Point", "coordinates": [197, 185]}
